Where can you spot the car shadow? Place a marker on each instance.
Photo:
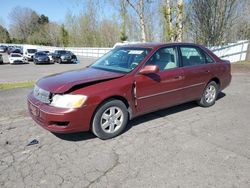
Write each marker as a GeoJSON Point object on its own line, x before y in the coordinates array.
{"type": "Point", "coordinates": [166, 112]}
{"type": "Point", "coordinates": [82, 136]}
{"type": "Point", "coordinates": [75, 137]}
{"type": "Point", "coordinates": [43, 64]}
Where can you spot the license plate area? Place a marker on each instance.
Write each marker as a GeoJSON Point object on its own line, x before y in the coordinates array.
{"type": "Point", "coordinates": [34, 110]}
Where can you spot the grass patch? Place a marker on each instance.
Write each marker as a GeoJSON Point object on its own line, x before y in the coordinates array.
{"type": "Point", "coordinates": [5, 86]}
{"type": "Point", "coordinates": [243, 62]}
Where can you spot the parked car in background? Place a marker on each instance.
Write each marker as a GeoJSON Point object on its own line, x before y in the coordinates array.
{"type": "Point", "coordinates": [3, 49]}
{"type": "Point", "coordinates": [50, 57]}
{"type": "Point", "coordinates": [15, 50]}
{"type": "Point", "coordinates": [1, 59]}
{"type": "Point", "coordinates": [127, 82]}
{"type": "Point", "coordinates": [28, 53]}
{"type": "Point", "coordinates": [41, 58]}
{"type": "Point", "coordinates": [64, 56]}
{"type": "Point", "coordinates": [16, 58]}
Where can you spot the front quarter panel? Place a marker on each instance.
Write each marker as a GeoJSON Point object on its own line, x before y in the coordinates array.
{"type": "Point", "coordinates": [98, 93]}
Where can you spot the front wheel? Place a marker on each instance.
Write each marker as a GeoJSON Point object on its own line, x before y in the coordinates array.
{"type": "Point", "coordinates": [110, 119]}
{"type": "Point", "coordinates": [209, 95]}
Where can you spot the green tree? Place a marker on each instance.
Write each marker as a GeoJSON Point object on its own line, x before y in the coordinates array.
{"type": "Point", "coordinates": [43, 19]}
{"type": "Point", "coordinates": [4, 35]}
{"type": "Point", "coordinates": [64, 36]}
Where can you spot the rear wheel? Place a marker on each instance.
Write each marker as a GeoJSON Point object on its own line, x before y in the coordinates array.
{"type": "Point", "coordinates": [209, 95]}
{"type": "Point", "coordinates": [110, 119]}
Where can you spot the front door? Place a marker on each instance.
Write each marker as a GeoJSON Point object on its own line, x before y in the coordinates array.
{"type": "Point", "coordinates": [164, 89]}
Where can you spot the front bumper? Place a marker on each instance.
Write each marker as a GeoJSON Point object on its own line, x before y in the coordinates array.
{"type": "Point", "coordinates": [68, 60]}
{"type": "Point", "coordinates": [42, 61]}
{"type": "Point", "coordinates": [60, 120]}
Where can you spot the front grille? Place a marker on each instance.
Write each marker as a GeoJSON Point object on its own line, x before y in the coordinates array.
{"type": "Point", "coordinates": [41, 94]}
{"type": "Point", "coordinates": [18, 61]}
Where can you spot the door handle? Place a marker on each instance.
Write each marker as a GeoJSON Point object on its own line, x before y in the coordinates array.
{"type": "Point", "coordinates": [178, 77]}
{"type": "Point", "coordinates": [207, 71]}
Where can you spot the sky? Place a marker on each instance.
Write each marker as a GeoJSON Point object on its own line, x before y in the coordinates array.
{"type": "Point", "coordinates": [54, 9]}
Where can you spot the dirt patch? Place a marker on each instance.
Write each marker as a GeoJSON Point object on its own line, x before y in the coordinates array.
{"type": "Point", "coordinates": [240, 68]}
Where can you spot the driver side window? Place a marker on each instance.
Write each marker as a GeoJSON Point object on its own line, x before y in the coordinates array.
{"type": "Point", "coordinates": [165, 58]}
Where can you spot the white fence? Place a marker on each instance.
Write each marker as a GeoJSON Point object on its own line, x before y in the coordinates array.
{"type": "Point", "coordinates": [86, 52]}
{"type": "Point", "coordinates": [233, 52]}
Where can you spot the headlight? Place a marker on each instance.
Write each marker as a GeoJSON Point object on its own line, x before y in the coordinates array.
{"type": "Point", "coordinates": [68, 101]}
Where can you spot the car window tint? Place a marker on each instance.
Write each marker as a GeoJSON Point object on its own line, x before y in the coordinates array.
{"type": "Point", "coordinates": [165, 58]}
{"type": "Point", "coordinates": [208, 58]}
{"type": "Point", "coordinates": [191, 56]}
{"type": "Point", "coordinates": [122, 59]}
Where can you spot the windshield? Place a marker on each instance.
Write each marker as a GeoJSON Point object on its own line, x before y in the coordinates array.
{"type": "Point", "coordinates": [61, 52]}
{"type": "Point", "coordinates": [31, 51]}
{"type": "Point", "coordinates": [16, 55]}
{"type": "Point", "coordinates": [121, 59]}
{"type": "Point", "coordinates": [40, 54]}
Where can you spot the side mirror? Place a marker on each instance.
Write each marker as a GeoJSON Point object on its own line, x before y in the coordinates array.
{"type": "Point", "coordinates": [150, 69]}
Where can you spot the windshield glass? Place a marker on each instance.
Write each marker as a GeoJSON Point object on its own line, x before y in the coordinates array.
{"type": "Point", "coordinates": [121, 59]}
{"type": "Point", "coordinates": [31, 51]}
{"type": "Point", "coordinates": [40, 54]}
{"type": "Point", "coordinates": [61, 52]}
{"type": "Point", "coordinates": [16, 55]}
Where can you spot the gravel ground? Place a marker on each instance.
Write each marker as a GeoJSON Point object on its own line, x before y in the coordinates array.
{"type": "Point", "coordinates": [183, 146]}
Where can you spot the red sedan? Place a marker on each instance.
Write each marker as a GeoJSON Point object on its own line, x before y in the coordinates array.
{"type": "Point", "coordinates": [127, 82]}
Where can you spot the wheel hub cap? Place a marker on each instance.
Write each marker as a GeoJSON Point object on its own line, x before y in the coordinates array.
{"type": "Point", "coordinates": [112, 119]}
{"type": "Point", "coordinates": [210, 94]}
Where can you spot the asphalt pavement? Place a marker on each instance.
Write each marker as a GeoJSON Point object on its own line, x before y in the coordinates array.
{"type": "Point", "coordinates": [184, 146]}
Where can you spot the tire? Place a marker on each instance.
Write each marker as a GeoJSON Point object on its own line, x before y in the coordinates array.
{"type": "Point", "coordinates": [110, 119]}
{"type": "Point", "coordinates": [209, 95]}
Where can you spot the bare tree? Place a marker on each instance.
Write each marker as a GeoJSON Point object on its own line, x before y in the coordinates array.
{"type": "Point", "coordinates": [109, 32]}
{"type": "Point", "coordinates": [167, 11]}
{"type": "Point", "coordinates": [123, 13]}
{"type": "Point", "coordinates": [23, 22]}
{"type": "Point", "coordinates": [139, 10]}
{"type": "Point", "coordinates": [179, 21]}
{"type": "Point", "coordinates": [173, 16]}
{"type": "Point", "coordinates": [241, 28]}
{"type": "Point", "coordinates": [53, 34]}
{"type": "Point", "coordinates": [212, 20]}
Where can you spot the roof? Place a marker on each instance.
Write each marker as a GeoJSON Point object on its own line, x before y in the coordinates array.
{"type": "Point", "coordinates": [154, 44]}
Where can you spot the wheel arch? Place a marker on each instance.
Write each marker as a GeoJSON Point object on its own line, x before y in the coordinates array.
{"type": "Point", "coordinates": [115, 97]}
{"type": "Point", "coordinates": [216, 80]}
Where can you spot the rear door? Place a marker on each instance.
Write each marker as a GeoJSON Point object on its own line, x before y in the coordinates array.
{"type": "Point", "coordinates": [197, 71]}
{"type": "Point", "coordinates": [156, 91]}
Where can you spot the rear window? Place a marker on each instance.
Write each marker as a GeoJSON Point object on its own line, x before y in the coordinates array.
{"type": "Point", "coordinates": [192, 56]}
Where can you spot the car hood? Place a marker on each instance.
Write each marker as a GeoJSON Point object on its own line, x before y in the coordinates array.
{"type": "Point", "coordinates": [62, 82]}
{"type": "Point", "coordinates": [42, 57]}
